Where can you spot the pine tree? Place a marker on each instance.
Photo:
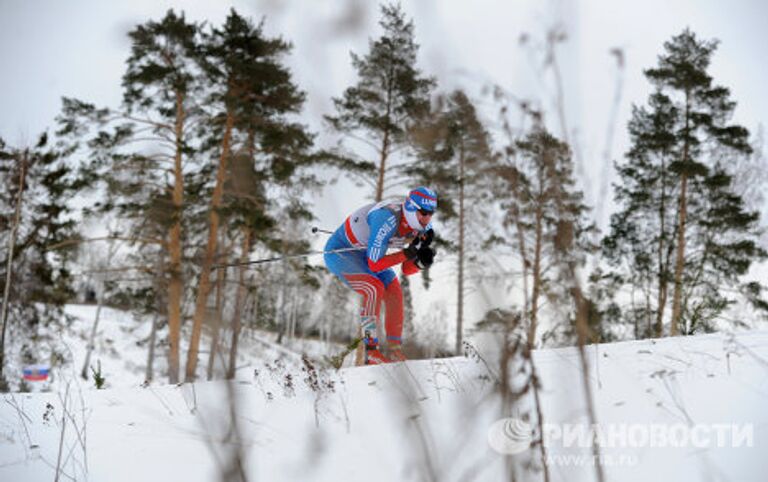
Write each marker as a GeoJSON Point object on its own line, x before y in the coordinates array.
{"type": "Point", "coordinates": [161, 77]}
{"type": "Point", "coordinates": [143, 152]}
{"type": "Point", "coordinates": [536, 186]}
{"type": "Point", "coordinates": [680, 220]}
{"type": "Point", "coordinates": [642, 233]}
{"type": "Point", "coordinates": [390, 95]}
{"type": "Point", "coordinates": [35, 215]}
{"type": "Point", "coordinates": [454, 157]}
{"type": "Point", "coordinates": [251, 94]}
{"type": "Point", "coordinates": [272, 155]}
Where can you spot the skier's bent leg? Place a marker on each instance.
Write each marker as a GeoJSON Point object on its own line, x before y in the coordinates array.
{"type": "Point", "coordinates": [393, 303]}
{"type": "Point", "coordinates": [372, 291]}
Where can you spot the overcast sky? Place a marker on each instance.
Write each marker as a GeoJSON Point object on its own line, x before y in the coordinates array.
{"type": "Point", "coordinates": [51, 48]}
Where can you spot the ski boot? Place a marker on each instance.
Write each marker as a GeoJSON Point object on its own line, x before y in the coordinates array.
{"type": "Point", "coordinates": [371, 343]}
{"type": "Point", "coordinates": [395, 353]}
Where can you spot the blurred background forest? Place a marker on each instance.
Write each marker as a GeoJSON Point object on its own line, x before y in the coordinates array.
{"type": "Point", "coordinates": [214, 146]}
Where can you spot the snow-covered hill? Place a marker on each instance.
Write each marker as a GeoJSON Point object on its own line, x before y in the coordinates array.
{"type": "Point", "coordinates": [121, 349]}
{"type": "Point", "coordinates": [421, 420]}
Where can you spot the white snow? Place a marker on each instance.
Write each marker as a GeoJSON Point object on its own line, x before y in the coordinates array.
{"type": "Point", "coordinates": [421, 420]}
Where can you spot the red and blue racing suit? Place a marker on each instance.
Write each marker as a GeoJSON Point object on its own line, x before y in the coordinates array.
{"type": "Point", "coordinates": [374, 228]}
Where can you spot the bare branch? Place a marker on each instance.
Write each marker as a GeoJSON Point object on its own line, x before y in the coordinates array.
{"type": "Point", "coordinates": [145, 269]}
{"type": "Point", "coordinates": [122, 115]}
{"type": "Point", "coordinates": [70, 242]}
{"type": "Point", "coordinates": [369, 143]}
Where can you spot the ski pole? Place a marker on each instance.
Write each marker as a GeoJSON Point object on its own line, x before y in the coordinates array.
{"type": "Point", "coordinates": [281, 258]}
{"type": "Point", "coordinates": [315, 229]}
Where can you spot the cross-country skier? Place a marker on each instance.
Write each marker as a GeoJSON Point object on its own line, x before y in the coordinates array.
{"type": "Point", "coordinates": [377, 227]}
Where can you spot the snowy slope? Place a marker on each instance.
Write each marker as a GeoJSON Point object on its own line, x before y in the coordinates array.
{"type": "Point", "coordinates": [422, 420]}
{"type": "Point", "coordinates": [121, 349]}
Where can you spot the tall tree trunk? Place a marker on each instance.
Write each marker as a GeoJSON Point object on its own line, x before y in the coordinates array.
{"type": "Point", "coordinates": [9, 267]}
{"type": "Point", "coordinates": [159, 284]}
{"type": "Point", "coordinates": [204, 285]}
{"type": "Point", "coordinates": [648, 310]}
{"type": "Point", "coordinates": [150, 373]}
{"type": "Point", "coordinates": [536, 274]}
{"type": "Point", "coordinates": [280, 309]}
{"type": "Point", "coordinates": [532, 328]}
{"type": "Point", "coordinates": [240, 295]}
{"type": "Point", "coordinates": [680, 257]}
{"type": "Point", "coordinates": [662, 295]}
{"type": "Point", "coordinates": [679, 260]}
{"type": "Point", "coordinates": [460, 293]}
{"type": "Point", "coordinates": [239, 300]}
{"type": "Point", "coordinates": [288, 316]}
{"type": "Point", "coordinates": [176, 283]}
{"type": "Point", "coordinates": [384, 154]}
{"type": "Point", "coordinates": [523, 251]}
{"type": "Point", "coordinates": [385, 142]}
{"type": "Point", "coordinates": [535, 383]}
{"type": "Point", "coordinates": [221, 278]}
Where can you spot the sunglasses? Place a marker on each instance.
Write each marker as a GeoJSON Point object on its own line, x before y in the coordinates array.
{"type": "Point", "coordinates": [425, 212]}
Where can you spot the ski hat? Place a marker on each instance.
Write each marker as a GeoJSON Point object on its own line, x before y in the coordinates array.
{"type": "Point", "coordinates": [420, 199]}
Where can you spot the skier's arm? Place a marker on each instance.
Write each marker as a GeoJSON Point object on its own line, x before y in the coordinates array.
{"type": "Point", "coordinates": [409, 267]}
{"type": "Point", "coordinates": [387, 261]}
{"type": "Point", "coordinates": [383, 225]}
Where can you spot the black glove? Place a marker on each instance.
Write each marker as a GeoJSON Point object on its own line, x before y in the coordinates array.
{"type": "Point", "coordinates": [426, 237]}
{"type": "Point", "coordinates": [420, 241]}
{"type": "Point", "coordinates": [412, 250]}
{"type": "Point", "coordinates": [425, 257]}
